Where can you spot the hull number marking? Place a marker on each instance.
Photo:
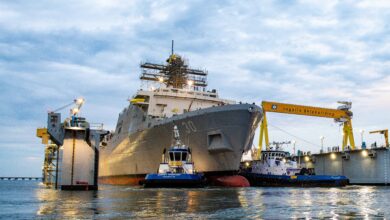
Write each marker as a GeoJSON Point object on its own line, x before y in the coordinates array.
{"type": "Point", "coordinates": [190, 126]}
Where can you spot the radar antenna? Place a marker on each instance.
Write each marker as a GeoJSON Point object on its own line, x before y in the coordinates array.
{"type": "Point", "coordinates": [172, 47]}
{"type": "Point", "coordinates": [175, 73]}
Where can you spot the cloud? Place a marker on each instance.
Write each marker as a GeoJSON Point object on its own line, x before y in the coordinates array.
{"type": "Point", "coordinates": [302, 52]}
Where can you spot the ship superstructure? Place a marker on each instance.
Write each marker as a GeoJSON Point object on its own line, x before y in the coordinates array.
{"type": "Point", "coordinates": [275, 162]}
{"type": "Point", "coordinates": [181, 89]}
{"type": "Point", "coordinates": [219, 130]}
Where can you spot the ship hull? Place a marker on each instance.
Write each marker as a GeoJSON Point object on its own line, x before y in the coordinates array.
{"type": "Point", "coordinates": [217, 137]}
{"type": "Point", "coordinates": [267, 180]}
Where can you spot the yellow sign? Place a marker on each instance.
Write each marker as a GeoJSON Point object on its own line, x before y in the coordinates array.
{"type": "Point", "coordinates": [137, 100]}
{"type": "Point", "coordinates": [42, 133]}
{"type": "Point", "coordinates": [175, 110]}
{"type": "Point", "coordinates": [175, 163]}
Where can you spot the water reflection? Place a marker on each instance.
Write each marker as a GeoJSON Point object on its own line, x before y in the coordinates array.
{"type": "Point", "coordinates": [66, 204]}
{"type": "Point", "coordinates": [335, 203]}
{"type": "Point", "coordinates": [120, 202]}
{"type": "Point", "coordinates": [172, 202]}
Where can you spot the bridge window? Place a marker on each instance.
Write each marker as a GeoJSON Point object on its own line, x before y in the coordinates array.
{"type": "Point", "coordinates": [177, 156]}
{"type": "Point", "coordinates": [184, 156]}
{"type": "Point", "coordinates": [171, 156]}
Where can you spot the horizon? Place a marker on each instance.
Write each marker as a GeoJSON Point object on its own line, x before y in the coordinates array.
{"type": "Point", "coordinates": [294, 52]}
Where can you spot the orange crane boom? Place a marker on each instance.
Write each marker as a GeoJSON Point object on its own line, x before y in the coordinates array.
{"type": "Point", "coordinates": [305, 110]}
{"type": "Point", "coordinates": [385, 132]}
{"type": "Point", "coordinates": [342, 114]}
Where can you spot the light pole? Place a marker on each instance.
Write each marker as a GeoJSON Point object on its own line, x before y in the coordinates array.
{"type": "Point", "coordinates": [293, 142]}
{"type": "Point", "coordinates": [361, 135]}
{"type": "Point", "coordinates": [322, 143]}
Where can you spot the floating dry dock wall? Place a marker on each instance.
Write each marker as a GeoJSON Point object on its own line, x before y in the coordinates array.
{"type": "Point", "coordinates": [363, 166]}
{"type": "Point", "coordinates": [77, 162]}
{"type": "Point", "coordinates": [71, 153]}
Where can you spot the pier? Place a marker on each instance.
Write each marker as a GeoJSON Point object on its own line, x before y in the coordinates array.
{"type": "Point", "coordinates": [22, 178]}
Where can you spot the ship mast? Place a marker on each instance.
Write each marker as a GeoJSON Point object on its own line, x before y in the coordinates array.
{"type": "Point", "coordinates": [175, 73]}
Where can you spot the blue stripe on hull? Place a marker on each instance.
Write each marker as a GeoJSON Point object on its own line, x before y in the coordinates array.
{"type": "Point", "coordinates": [173, 176]}
{"type": "Point", "coordinates": [174, 180]}
{"type": "Point", "coordinates": [299, 180]}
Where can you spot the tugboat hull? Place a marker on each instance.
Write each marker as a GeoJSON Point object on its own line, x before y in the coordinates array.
{"type": "Point", "coordinates": [173, 180]}
{"type": "Point", "coordinates": [296, 181]}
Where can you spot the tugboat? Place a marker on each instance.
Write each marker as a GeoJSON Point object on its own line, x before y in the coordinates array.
{"type": "Point", "coordinates": [176, 168]}
{"type": "Point", "coordinates": [275, 168]}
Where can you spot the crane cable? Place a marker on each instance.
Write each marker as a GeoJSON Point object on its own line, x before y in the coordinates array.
{"type": "Point", "coordinates": [65, 106]}
{"type": "Point", "coordinates": [297, 137]}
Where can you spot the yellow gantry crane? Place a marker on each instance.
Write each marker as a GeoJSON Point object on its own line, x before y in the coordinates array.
{"type": "Point", "coordinates": [342, 115]}
{"type": "Point", "coordinates": [385, 132]}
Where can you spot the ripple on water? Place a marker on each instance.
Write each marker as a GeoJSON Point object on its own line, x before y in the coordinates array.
{"type": "Point", "coordinates": [29, 199]}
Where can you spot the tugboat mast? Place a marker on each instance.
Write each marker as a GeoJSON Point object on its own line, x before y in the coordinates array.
{"type": "Point", "coordinates": [176, 136]}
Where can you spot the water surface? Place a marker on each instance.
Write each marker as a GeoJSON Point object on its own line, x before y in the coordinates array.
{"type": "Point", "coordinates": [30, 199]}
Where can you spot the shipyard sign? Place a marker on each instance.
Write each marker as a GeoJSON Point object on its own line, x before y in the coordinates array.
{"type": "Point", "coordinates": [274, 107]}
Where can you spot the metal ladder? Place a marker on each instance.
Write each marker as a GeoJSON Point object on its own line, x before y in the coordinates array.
{"type": "Point", "coordinates": [386, 166]}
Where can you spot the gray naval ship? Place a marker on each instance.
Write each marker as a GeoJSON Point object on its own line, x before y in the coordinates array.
{"type": "Point", "coordinates": [217, 131]}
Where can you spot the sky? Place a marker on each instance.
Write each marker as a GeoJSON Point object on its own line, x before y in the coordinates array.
{"type": "Point", "coordinates": [303, 52]}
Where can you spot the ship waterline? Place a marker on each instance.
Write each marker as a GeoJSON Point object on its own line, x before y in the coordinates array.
{"type": "Point", "coordinates": [217, 137]}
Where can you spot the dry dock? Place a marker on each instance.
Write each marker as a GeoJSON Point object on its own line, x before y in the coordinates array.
{"type": "Point", "coordinates": [361, 166]}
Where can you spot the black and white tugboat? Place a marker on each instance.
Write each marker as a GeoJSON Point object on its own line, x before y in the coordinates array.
{"type": "Point", "coordinates": [274, 168]}
{"type": "Point", "coordinates": [176, 168]}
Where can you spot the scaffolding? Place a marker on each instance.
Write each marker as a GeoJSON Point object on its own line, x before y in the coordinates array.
{"type": "Point", "coordinates": [50, 167]}
{"type": "Point", "coordinates": [175, 73]}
